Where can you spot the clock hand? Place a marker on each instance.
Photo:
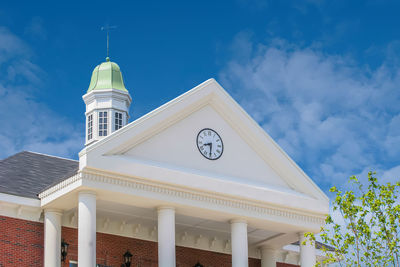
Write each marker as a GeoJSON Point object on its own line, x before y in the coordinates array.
{"type": "Point", "coordinates": [209, 144]}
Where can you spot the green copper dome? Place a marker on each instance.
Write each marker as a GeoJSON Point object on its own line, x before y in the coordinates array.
{"type": "Point", "coordinates": [107, 75]}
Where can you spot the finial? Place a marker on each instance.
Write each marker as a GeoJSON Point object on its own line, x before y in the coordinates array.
{"type": "Point", "coordinates": [108, 28]}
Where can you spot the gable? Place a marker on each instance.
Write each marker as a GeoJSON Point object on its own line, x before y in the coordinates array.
{"type": "Point", "coordinates": [176, 147]}
{"type": "Point", "coordinates": [162, 146]}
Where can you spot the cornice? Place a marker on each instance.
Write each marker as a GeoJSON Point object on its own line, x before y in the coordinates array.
{"type": "Point", "coordinates": [182, 195]}
{"type": "Point", "coordinates": [60, 186]}
{"type": "Point", "coordinates": [20, 207]}
{"type": "Point", "coordinates": [106, 93]}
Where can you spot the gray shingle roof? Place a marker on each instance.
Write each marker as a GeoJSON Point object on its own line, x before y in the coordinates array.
{"type": "Point", "coordinates": [27, 174]}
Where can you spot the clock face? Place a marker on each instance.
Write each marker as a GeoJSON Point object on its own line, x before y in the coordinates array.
{"type": "Point", "coordinates": [210, 144]}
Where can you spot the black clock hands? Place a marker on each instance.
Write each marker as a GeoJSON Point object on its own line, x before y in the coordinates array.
{"type": "Point", "coordinates": [209, 137]}
{"type": "Point", "coordinates": [209, 144]}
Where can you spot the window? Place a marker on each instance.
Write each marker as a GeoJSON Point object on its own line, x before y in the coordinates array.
{"type": "Point", "coordinates": [73, 264]}
{"type": "Point", "coordinates": [90, 127]}
{"type": "Point", "coordinates": [103, 123]}
{"type": "Point", "coordinates": [118, 120]}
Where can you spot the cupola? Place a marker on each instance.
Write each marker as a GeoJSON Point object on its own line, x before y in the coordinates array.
{"type": "Point", "coordinates": [107, 102]}
{"type": "Point", "coordinates": [107, 75]}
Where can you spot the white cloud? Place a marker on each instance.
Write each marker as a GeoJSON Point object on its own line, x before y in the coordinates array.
{"type": "Point", "coordinates": [333, 117]}
{"type": "Point", "coordinates": [28, 124]}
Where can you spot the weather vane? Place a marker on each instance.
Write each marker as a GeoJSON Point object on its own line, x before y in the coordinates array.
{"type": "Point", "coordinates": [108, 28]}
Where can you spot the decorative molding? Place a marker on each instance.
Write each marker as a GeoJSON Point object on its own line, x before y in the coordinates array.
{"type": "Point", "coordinates": [136, 228]}
{"type": "Point", "coordinates": [203, 197]}
{"type": "Point", "coordinates": [213, 241]}
{"type": "Point", "coordinates": [122, 226]}
{"type": "Point", "coordinates": [20, 207]}
{"type": "Point", "coordinates": [22, 212]}
{"type": "Point", "coordinates": [184, 236]}
{"type": "Point", "coordinates": [17, 200]}
{"type": "Point", "coordinates": [184, 195]}
{"type": "Point", "coordinates": [61, 185]}
{"type": "Point", "coordinates": [153, 231]}
{"type": "Point", "coordinates": [106, 223]}
{"type": "Point", "coordinates": [198, 239]}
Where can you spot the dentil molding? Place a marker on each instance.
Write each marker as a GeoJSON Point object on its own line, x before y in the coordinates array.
{"type": "Point", "coordinates": [183, 195]}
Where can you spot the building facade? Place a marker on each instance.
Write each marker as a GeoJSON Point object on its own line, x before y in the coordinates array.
{"type": "Point", "coordinates": [195, 181]}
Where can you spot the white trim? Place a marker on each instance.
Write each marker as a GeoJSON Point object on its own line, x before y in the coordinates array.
{"type": "Point", "coordinates": [20, 207]}
{"type": "Point", "coordinates": [122, 95]}
{"type": "Point", "coordinates": [43, 154]}
{"type": "Point", "coordinates": [18, 200]}
{"type": "Point", "coordinates": [217, 202]}
{"type": "Point", "coordinates": [212, 184]}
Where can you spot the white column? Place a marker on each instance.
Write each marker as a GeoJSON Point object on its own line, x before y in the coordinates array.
{"type": "Point", "coordinates": [166, 237]}
{"type": "Point", "coordinates": [307, 251]}
{"type": "Point", "coordinates": [52, 238]}
{"type": "Point", "coordinates": [87, 229]}
{"type": "Point", "coordinates": [239, 243]}
{"type": "Point", "coordinates": [269, 257]}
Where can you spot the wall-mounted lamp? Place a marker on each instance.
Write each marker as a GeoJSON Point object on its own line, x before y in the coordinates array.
{"type": "Point", "coordinates": [198, 265]}
{"type": "Point", "coordinates": [127, 258]}
{"type": "Point", "coordinates": [64, 250]}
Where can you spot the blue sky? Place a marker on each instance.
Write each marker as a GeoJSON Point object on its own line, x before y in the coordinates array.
{"type": "Point", "coordinates": [321, 77]}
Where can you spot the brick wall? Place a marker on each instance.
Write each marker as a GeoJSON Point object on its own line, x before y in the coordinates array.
{"type": "Point", "coordinates": [21, 242]}
{"type": "Point", "coordinates": [110, 249]}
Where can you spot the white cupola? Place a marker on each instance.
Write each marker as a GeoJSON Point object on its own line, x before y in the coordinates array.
{"type": "Point", "coordinates": [107, 102]}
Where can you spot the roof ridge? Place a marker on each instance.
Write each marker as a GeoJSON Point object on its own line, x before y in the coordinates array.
{"type": "Point", "coordinates": [47, 155]}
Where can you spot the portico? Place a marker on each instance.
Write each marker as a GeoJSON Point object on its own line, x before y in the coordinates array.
{"type": "Point", "coordinates": [149, 181]}
{"type": "Point", "coordinates": [153, 222]}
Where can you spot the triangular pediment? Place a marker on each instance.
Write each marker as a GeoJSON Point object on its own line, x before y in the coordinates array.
{"type": "Point", "coordinates": [176, 147]}
{"type": "Point", "coordinates": [165, 139]}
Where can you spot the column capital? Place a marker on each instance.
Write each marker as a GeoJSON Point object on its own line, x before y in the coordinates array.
{"type": "Point", "coordinates": [238, 220]}
{"type": "Point", "coordinates": [160, 208]}
{"type": "Point", "coordinates": [87, 192]}
{"type": "Point", "coordinates": [52, 210]}
{"type": "Point", "coordinates": [268, 248]}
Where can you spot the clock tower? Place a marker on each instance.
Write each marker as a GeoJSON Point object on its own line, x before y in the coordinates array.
{"type": "Point", "coordinates": [107, 102]}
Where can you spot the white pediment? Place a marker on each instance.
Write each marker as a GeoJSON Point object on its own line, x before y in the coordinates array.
{"type": "Point", "coordinates": [161, 146]}
{"type": "Point", "coordinates": [176, 147]}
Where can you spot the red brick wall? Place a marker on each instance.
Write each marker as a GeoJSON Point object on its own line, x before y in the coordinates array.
{"type": "Point", "coordinates": [110, 249]}
{"type": "Point", "coordinates": [188, 257]}
{"type": "Point", "coordinates": [21, 242]}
